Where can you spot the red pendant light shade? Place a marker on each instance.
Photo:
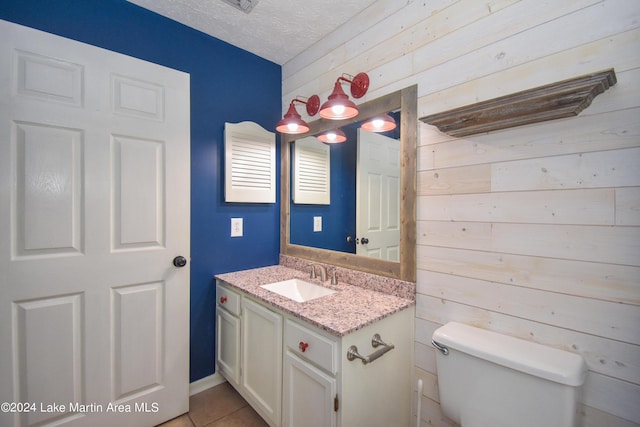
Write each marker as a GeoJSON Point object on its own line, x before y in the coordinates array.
{"type": "Point", "coordinates": [339, 106]}
{"type": "Point", "coordinates": [292, 122]}
{"type": "Point", "coordinates": [334, 136]}
{"type": "Point", "coordinates": [381, 123]}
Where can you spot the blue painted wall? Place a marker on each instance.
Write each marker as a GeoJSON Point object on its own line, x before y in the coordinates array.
{"type": "Point", "coordinates": [227, 85]}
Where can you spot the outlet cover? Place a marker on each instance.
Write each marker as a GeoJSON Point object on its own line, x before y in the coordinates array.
{"type": "Point", "coordinates": [317, 224]}
{"type": "Point", "coordinates": [236, 227]}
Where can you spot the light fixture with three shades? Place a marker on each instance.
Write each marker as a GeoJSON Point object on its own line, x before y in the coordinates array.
{"type": "Point", "coordinates": [337, 107]}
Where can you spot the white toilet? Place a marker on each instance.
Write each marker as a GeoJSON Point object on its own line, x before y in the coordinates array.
{"type": "Point", "coordinates": [488, 379]}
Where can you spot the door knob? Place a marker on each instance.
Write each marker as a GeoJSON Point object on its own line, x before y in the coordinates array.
{"type": "Point", "coordinates": [179, 261]}
{"type": "Point", "coordinates": [364, 240]}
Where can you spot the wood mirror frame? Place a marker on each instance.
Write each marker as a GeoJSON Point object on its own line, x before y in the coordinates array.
{"type": "Point", "coordinates": [407, 101]}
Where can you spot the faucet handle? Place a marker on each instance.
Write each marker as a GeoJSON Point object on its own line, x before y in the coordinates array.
{"type": "Point", "coordinates": [334, 278]}
{"type": "Point", "coordinates": [312, 275]}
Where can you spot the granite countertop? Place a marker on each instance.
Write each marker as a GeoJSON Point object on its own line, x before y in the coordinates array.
{"type": "Point", "coordinates": [349, 309]}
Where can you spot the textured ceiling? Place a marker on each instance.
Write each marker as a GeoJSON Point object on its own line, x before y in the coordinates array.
{"type": "Point", "coordinates": [276, 30]}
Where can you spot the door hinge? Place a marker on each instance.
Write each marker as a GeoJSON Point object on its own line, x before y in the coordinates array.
{"type": "Point", "coordinates": [336, 403]}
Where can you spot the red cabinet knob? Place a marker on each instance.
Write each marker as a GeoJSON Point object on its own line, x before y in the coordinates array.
{"type": "Point", "coordinates": [303, 346]}
{"type": "Point", "coordinates": [223, 300]}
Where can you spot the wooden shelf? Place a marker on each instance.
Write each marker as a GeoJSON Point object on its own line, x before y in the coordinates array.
{"type": "Point", "coordinates": [557, 100]}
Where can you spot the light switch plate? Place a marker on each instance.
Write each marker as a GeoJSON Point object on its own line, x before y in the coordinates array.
{"type": "Point", "coordinates": [236, 227]}
{"type": "Point", "coordinates": [317, 223]}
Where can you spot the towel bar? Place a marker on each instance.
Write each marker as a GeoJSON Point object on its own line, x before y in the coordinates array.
{"type": "Point", "coordinates": [352, 352]}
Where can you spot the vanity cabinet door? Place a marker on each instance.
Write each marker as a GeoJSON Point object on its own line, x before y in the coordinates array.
{"type": "Point", "coordinates": [308, 395]}
{"type": "Point", "coordinates": [228, 333]}
{"type": "Point", "coordinates": [262, 359]}
{"type": "Point", "coordinates": [228, 343]}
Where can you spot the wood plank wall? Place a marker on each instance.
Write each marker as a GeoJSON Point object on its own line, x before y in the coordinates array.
{"type": "Point", "coordinates": [532, 232]}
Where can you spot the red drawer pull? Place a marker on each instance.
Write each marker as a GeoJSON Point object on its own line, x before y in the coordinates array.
{"type": "Point", "coordinates": [303, 346]}
{"type": "Point", "coordinates": [223, 300]}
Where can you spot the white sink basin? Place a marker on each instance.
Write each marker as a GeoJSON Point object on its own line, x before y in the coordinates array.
{"type": "Point", "coordinates": [298, 290]}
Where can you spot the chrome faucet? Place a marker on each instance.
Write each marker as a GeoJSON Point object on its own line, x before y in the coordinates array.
{"type": "Point", "coordinates": [323, 272]}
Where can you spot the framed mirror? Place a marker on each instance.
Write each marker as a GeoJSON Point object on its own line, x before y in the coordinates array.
{"type": "Point", "coordinates": [405, 101]}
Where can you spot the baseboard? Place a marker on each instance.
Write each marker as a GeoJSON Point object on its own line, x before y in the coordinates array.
{"type": "Point", "coordinates": [205, 383]}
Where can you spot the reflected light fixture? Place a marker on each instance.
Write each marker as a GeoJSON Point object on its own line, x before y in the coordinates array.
{"type": "Point", "coordinates": [333, 136]}
{"type": "Point", "coordinates": [381, 123]}
{"type": "Point", "coordinates": [339, 106]}
{"type": "Point", "coordinates": [292, 123]}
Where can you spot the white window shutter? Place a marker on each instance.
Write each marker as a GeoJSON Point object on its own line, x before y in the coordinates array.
{"type": "Point", "coordinates": [311, 172]}
{"type": "Point", "coordinates": [250, 163]}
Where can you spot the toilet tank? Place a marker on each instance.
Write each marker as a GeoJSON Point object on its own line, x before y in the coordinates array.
{"type": "Point", "coordinates": [493, 380]}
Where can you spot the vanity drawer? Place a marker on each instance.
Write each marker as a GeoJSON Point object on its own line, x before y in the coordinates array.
{"type": "Point", "coordinates": [228, 299]}
{"type": "Point", "coordinates": [312, 346]}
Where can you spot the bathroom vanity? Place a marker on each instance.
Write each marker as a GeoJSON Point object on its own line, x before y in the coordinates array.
{"type": "Point", "coordinates": [295, 362]}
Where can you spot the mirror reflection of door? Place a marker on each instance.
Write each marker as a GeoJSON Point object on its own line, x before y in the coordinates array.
{"type": "Point", "coordinates": [378, 196]}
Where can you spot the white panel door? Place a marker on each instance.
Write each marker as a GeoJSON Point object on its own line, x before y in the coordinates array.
{"type": "Point", "coordinates": [378, 196]}
{"type": "Point", "coordinates": [94, 206]}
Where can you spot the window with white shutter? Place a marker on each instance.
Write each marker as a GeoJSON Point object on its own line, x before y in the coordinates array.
{"type": "Point", "coordinates": [250, 163]}
{"type": "Point", "coordinates": [311, 172]}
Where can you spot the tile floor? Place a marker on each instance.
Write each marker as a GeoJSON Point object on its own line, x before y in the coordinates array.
{"type": "Point", "coordinates": [219, 406]}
